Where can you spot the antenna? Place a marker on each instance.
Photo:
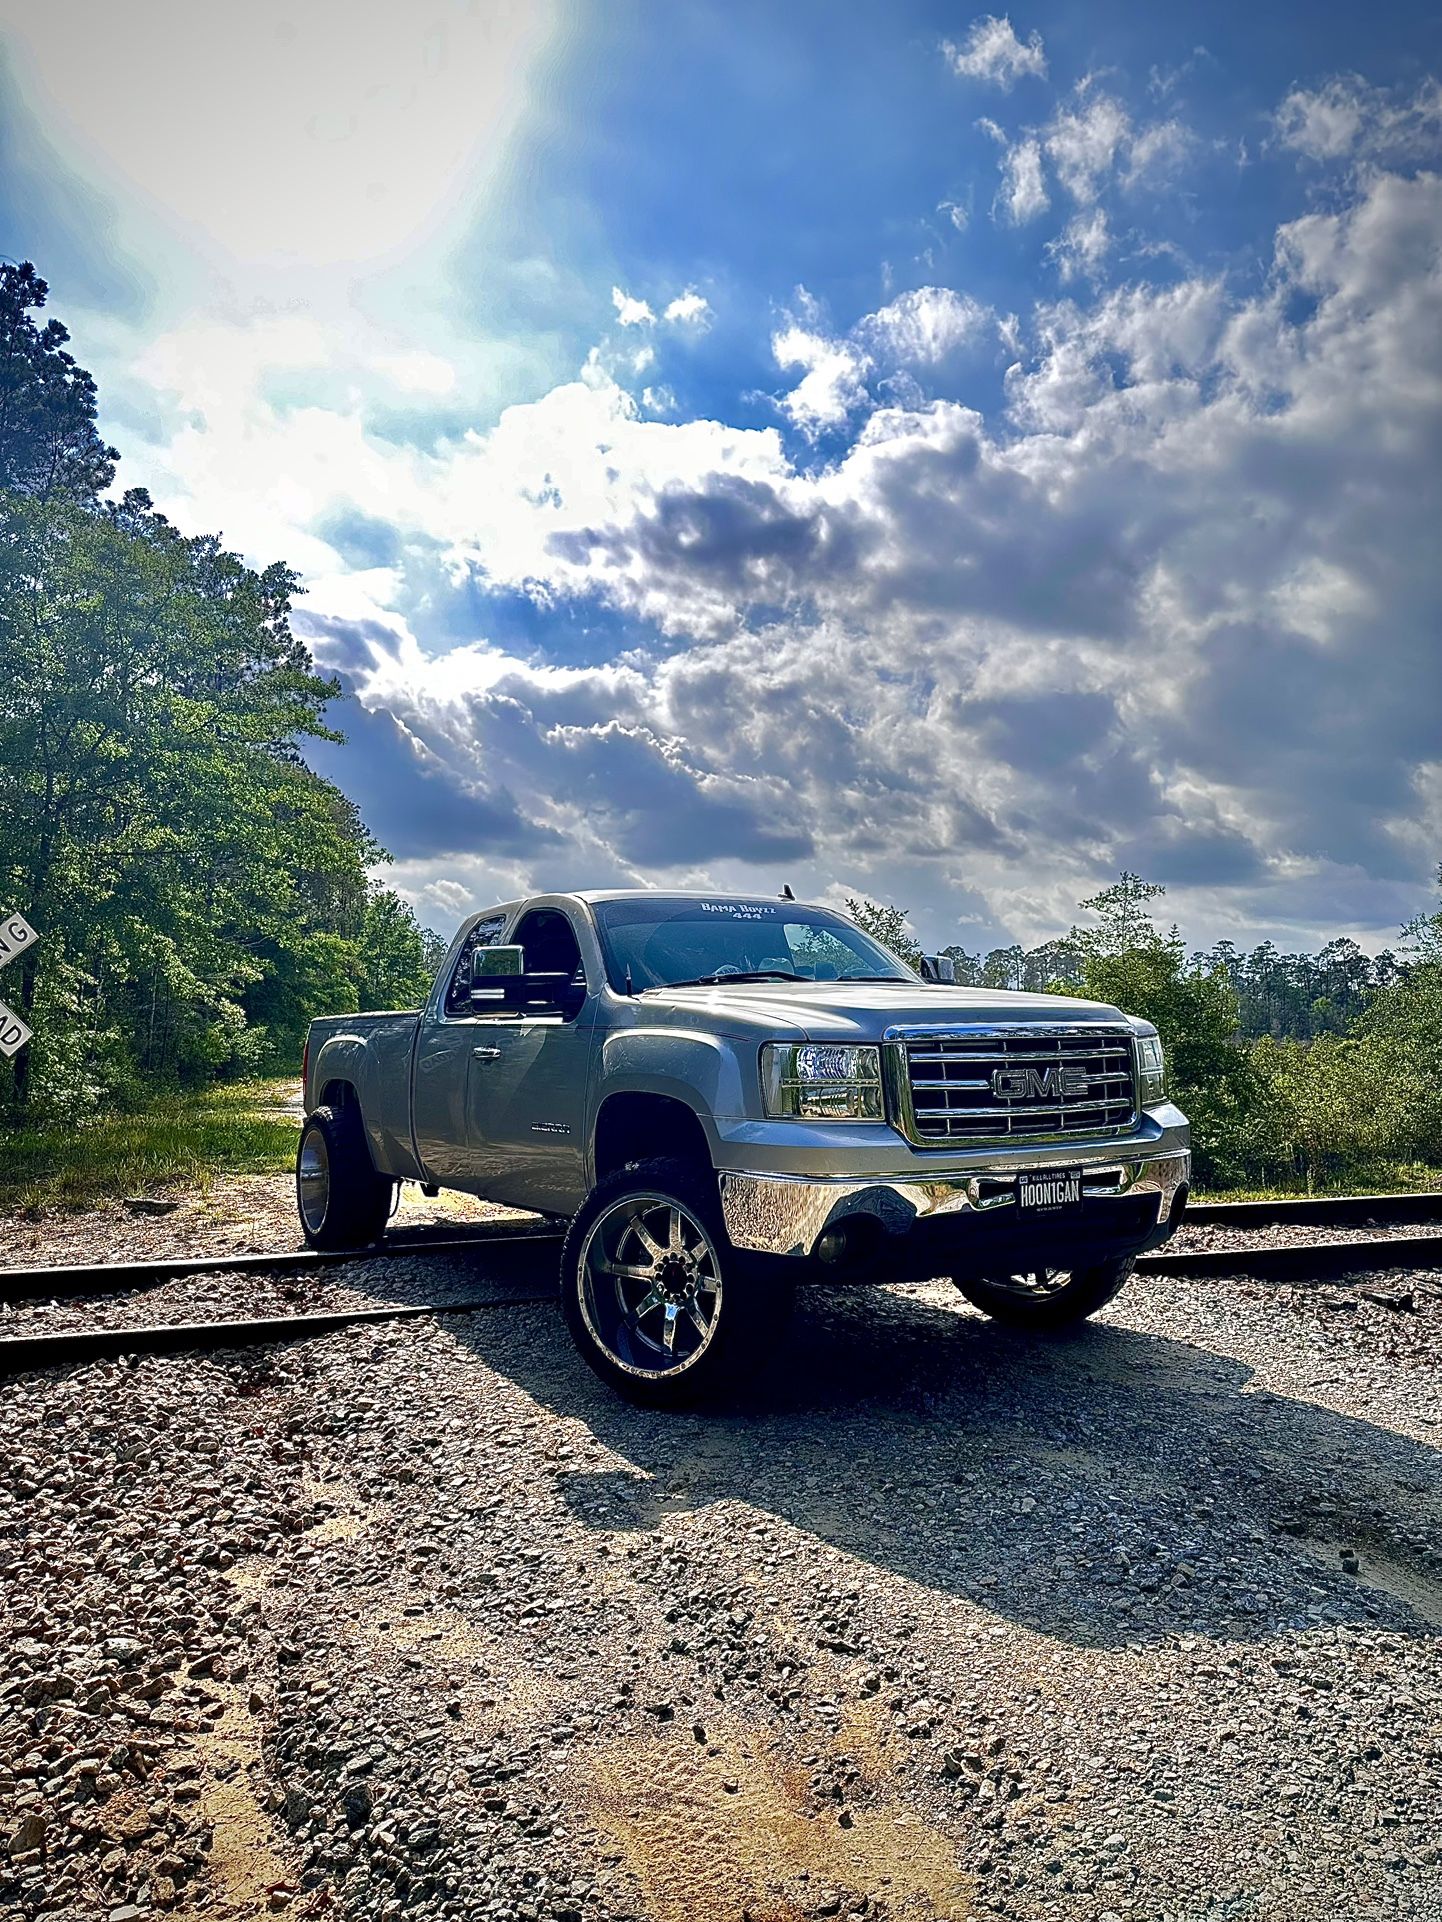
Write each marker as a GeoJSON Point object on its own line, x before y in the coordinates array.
{"type": "Point", "coordinates": [786, 894]}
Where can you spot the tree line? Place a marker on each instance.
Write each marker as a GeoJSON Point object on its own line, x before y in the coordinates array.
{"type": "Point", "coordinates": [1292, 1068]}
{"type": "Point", "coordinates": [1297, 995]}
{"type": "Point", "coordinates": [200, 892]}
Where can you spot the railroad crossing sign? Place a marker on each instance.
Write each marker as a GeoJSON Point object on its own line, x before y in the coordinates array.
{"type": "Point", "coordinates": [13, 1032]}
{"type": "Point", "coordinates": [16, 934]}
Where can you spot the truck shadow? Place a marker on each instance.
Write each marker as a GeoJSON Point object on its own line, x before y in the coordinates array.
{"type": "Point", "coordinates": [1104, 1488]}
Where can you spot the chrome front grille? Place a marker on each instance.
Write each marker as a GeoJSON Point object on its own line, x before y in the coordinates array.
{"type": "Point", "coordinates": [1016, 1083]}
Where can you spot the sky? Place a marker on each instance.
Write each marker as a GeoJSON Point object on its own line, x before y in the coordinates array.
{"type": "Point", "coordinates": [887, 449]}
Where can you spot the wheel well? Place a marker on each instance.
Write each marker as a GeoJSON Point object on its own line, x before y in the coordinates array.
{"type": "Point", "coordinates": [639, 1127]}
{"type": "Point", "coordinates": [336, 1094]}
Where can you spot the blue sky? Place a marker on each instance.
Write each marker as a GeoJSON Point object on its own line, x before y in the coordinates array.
{"type": "Point", "coordinates": [902, 450]}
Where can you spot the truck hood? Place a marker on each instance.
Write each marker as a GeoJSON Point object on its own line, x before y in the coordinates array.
{"type": "Point", "coordinates": [856, 1010]}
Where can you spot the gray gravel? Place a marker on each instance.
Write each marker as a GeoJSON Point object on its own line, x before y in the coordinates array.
{"type": "Point", "coordinates": [936, 1622]}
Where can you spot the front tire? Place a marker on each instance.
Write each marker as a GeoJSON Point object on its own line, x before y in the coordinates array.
{"type": "Point", "coordinates": [343, 1202]}
{"type": "Point", "coordinates": [1043, 1298]}
{"type": "Point", "coordinates": [659, 1303]}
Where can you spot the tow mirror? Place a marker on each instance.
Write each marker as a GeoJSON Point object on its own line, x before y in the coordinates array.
{"type": "Point", "coordinates": [938, 967]}
{"type": "Point", "coordinates": [488, 962]}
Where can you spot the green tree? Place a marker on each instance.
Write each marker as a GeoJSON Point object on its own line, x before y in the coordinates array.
{"type": "Point", "coordinates": [1334, 1105]}
{"type": "Point", "coordinates": [48, 439]}
{"type": "Point", "coordinates": [1403, 1025]}
{"type": "Point", "coordinates": [395, 971]}
{"type": "Point", "coordinates": [156, 821]}
{"type": "Point", "coordinates": [889, 926]}
{"type": "Point", "coordinates": [1123, 959]}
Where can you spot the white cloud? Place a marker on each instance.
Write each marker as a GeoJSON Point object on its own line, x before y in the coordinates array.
{"type": "Point", "coordinates": [690, 309]}
{"type": "Point", "coordinates": [1347, 119]}
{"type": "Point", "coordinates": [1082, 143]}
{"type": "Point", "coordinates": [1172, 608]}
{"type": "Point", "coordinates": [660, 400]}
{"type": "Point", "coordinates": [992, 51]}
{"type": "Point", "coordinates": [414, 371]}
{"type": "Point", "coordinates": [1156, 152]}
{"type": "Point", "coordinates": [1022, 195]}
{"type": "Point", "coordinates": [833, 385]}
{"type": "Point", "coordinates": [1138, 624]}
{"type": "Point", "coordinates": [631, 312]}
{"type": "Point", "coordinates": [958, 215]}
{"type": "Point", "coordinates": [1083, 245]}
{"type": "Point", "coordinates": [923, 326]}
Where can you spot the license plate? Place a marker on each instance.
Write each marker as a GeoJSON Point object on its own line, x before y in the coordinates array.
{"type": "Point", "coordinates": [1045, 1193]}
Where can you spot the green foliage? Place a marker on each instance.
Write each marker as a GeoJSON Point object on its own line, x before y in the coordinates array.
{"type": "Point", "coordinates": [1355, 1091]}
{"type": "Point", "coordinates": [156, 821]}
{"type": "Point", "coordinates": [1334, 1105]}
{"type": "Point", "coordinates": [48, 442]}
{"type": "Point", "coordinates": [1124, 960]}
{"type": "Point", "coordinates": [199, 891]}
{"type": "Point", "coordinates": [887, 925]}
{"type": "Point", "coordinates": [397, 964]}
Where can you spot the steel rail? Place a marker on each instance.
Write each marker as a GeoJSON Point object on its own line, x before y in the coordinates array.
{"type": "Point", "coordinates": [20, 1284]}
{"type": "Point", "coordinates": [1313, 1261]}
{"type": "Point", "coordinates": [92, 1344]}
{"type": "Point", "coordinates": [1286, 1261]}
{"type": "Point", "coordinates": [1315, 1211]}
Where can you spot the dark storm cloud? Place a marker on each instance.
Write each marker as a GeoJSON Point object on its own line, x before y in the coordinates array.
{"type": "Point", "coordinates": [413, 806]}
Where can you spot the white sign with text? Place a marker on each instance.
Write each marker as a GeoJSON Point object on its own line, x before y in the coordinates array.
{"type": "Point", "coordinates": [16, 934]}
{"type": "Point", "coordinates": [13, 1032]}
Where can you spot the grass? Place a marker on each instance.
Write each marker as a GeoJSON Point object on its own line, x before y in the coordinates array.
{"type": "Point", "coordinates": [174, 1142]}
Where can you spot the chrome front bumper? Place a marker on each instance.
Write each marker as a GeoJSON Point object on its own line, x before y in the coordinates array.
{"type": "Point", "coordinates": [788, 1214]}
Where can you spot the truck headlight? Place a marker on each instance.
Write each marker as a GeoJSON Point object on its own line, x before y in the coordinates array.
{"type": "Point", "coordinates": [821, 1082]}
{"type": "Point", "coordinates": [1151, 1069]}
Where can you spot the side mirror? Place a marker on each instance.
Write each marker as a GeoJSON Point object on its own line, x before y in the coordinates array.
{"type": "Point", "coordinates": [503, 984]}
{"type": "Point", "coordinates": [939, 968]}
{"type": "Point", "coordinates": [487, 963]}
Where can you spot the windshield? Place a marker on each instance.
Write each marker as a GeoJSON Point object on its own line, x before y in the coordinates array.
{"type": "Point", "coordinates": [664, 941]}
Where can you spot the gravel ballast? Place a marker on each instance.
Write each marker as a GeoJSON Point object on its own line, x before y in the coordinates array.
{"type": "Point", "coordinates": [938, 1621]}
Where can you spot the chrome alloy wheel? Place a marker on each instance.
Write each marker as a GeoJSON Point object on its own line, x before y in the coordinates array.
{"type": "Point", "coordinates": [312, 1180]}
{"type": "Point", "coordinates": [650, 1286]}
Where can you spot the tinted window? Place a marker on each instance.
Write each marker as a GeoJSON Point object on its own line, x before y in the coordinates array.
{"type": "Point", "coordinates": [662, 940]}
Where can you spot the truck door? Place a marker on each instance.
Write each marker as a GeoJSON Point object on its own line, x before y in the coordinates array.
{"type": "Point", "coordinates": [526, 1082]}
{"type": "Point", "coordinates": [442, 1068]}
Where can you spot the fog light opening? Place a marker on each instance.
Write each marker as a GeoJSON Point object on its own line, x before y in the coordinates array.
{"type": "Point", "coordinates": [832, 1247]}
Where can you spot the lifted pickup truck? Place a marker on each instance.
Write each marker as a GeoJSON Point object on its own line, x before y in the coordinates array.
{"type": "Point", "coordinates": [724, 1094]}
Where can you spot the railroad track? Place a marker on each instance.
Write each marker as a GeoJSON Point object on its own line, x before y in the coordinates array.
{"type": "Point", "coordinates": [1309, 1261]}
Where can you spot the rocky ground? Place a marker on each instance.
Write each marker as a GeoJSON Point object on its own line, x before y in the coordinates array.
{"type": "Point", "coordinates": [936, 1621]}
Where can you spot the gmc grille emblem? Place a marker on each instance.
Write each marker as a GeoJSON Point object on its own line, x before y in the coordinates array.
{"type": "Point", "coordinates": [1056, 1083]}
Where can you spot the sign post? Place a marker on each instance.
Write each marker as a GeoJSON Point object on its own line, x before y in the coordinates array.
{"type": "Point", "coordinates": [16, 934]}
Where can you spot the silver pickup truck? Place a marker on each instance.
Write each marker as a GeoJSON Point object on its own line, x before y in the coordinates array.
{"type": "Point", "coordinates": [724, 1094]}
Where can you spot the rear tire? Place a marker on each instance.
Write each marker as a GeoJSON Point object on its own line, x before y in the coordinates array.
{"type": "Point", "coordinates": [343, 1202]}
{"type": "Point", "coordinates": [1046, 1297]}
{"type": "Point", "coordinates": [659, 1303]}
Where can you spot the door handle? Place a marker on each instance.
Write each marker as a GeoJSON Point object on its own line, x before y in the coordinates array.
{"type": "Point", "coordinates": [485, 1054]}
